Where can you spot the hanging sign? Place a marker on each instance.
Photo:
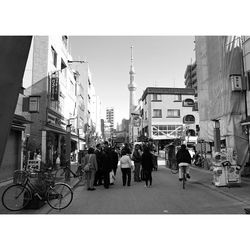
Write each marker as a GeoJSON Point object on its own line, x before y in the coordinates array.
{"type": "Point", "coordinates": [54, 82]}
{"type": "Point", "coordinates": [34, 104]}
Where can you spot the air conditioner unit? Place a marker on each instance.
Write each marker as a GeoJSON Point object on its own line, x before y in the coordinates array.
{"type": "Point", "coordinates": [236, 82]}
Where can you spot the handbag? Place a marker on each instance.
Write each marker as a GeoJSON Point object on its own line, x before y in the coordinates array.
{"type": "Point", "coordinates": [88, 165]}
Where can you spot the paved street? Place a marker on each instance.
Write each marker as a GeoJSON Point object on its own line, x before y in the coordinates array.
{"type": "Point", "coordinates": [166, 196]}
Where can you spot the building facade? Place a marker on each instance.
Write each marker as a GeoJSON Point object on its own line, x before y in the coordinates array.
{"type": "Point", "coordinates": [221, 94]}
{"type": "Point", "coordinates": [110, 117]}
{"type": "Point", "coordinates": [49, 76]}
{"type": "Point", "coordinates": [168, 114]}
{"type": "Point", "coordinates": [191, 77]}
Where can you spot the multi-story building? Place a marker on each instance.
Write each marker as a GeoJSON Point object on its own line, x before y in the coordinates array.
{"type": "Point", "coordinates": [110, 117]}
{"type": "Point", "coordinates": [221, 94]}
{"type": "Point", "coordinates": [191, 77]}
{"type": "Point", "coordinates": [49, 76]}
{"type": "Point", "coordinates": [92, 107]}
{"type": "Point", "coordinates": [168, 114]}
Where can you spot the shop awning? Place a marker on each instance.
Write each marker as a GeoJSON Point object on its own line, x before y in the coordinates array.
{"type": "Point", "coordinates": [54, 129]}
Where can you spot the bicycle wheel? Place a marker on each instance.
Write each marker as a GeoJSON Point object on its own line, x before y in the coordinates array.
{"type": "Point", "coordinates": [174, 169]}
{"type": "Point", "coordinates": [60, 174]}
{"type": "Point", "coordinates": [16, 197]}
{"type": "Point", "coordinates": [59, 196]}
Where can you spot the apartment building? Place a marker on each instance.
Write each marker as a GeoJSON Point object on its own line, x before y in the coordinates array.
{"type": "Point", "coordinates": [168, 114]}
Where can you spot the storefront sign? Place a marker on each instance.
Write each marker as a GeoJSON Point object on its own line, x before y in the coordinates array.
{"type": "Point", "coordinates": [34, 165]}
{"type": "Point", "coordinates": [34, 104]}
{"type": "Point", "coordinates": [54, 87]}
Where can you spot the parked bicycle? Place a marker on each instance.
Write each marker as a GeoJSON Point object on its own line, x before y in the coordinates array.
{"type": "Point", "coordinates": [65, 172]}
{"type": "Point", "coordinates": [17, 196]}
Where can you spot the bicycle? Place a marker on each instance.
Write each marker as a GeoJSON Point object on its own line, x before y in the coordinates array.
{"type": "Point", "coordinates": [17, 196]}
{"type": "Point", "coordinates": [183, 167]}
{"type": "Point", "coordinates": [65, 170]}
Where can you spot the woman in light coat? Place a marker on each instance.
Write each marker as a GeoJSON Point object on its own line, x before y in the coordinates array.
{"type": "Point", "coordinates": [90, 157]}
{"type": "Point", "coordinates": [126, 166]}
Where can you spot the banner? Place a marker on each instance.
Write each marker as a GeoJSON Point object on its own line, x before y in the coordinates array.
{"type": "Point", "coordinates": [54, 83]}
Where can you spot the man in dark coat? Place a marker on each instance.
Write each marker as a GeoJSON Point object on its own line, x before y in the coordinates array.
{"type": "Point", "coordinates": [147, 165]}
{"type": "Point", "coordinates": [183, 156]}
{"type": "Point", "coordinates": [107, 164]}
{"type": "Point", "coordinates": [114, 159]}
{"type": "Point", "coordinates": [99, 172]}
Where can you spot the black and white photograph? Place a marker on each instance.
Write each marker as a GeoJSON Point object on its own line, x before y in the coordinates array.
{"type": "Point", "coordinates": [125, 129]}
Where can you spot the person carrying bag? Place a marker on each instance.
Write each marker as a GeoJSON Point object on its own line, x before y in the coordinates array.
{"type": "Point", "coordinates": [90, 167]}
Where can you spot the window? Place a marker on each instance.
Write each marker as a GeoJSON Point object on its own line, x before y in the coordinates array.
{"type": "Point", "coordinates": [54, 56]}
{"type": "Point", "coordinates": [173, 113]}
{"type": "Point", "coordinates": [177, 98]}
{"type": "Point", "coordinates": [145, 100]}
{"type": "Point", "coordinates": [188, 119]}
{"type": "Point", "coordinates": [188, 103]}
{"type": "Point", "coordinates": [146, 115]}
{"type": "Point", "coordinates": [156, 98]}
{"type": "Point", "coordinates": [157, 113]}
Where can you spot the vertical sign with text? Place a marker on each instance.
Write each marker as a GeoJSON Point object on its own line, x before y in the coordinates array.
{"type": "Point", "coordinates": [54, 83]}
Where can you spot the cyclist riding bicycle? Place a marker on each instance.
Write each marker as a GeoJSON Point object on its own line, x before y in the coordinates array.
{"type": "Point", "coordinates": [183, 158]}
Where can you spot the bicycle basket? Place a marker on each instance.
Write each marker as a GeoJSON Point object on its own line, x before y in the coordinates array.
{"type": "Point", "coordinates": [20, 177]}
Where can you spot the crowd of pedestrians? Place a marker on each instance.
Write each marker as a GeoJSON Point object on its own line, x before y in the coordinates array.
{"type": "Point", "coordinates": [101, 163]}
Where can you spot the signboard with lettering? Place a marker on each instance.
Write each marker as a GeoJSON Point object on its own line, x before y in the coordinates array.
{"type": "Point", "coordinates": [54, 82]}
{"type": "Point", "coordinates": [34, 165]}
{"type": "Point", "coordinates": [34, 104]}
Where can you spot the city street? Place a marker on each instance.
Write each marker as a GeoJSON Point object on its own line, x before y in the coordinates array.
{"type": "Point", "coordinates": [166, 196]}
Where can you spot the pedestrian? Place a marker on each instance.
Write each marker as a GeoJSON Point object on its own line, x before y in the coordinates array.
{"type": "Point", "coordinates": [127, 149]}
{"type": "Point", "coordinates": [114, 159]}
{"type": "Point", "coordinates": [126, 166]}
{"type": "Point", "coordinates": [99, 159]}
{"type": "Point", "coordinates": [107, 164]}
{"type": "Point", "coordinates": [147, 165]}
{"type": "Point", "coordinates": [136, 157]}
{"type": "Point", "coordinates": [153, 150]}
{"type": "Point", "coordinates": [183, 156]}
{"type": "Point", "coordinates": [171, 155]}
{"type": "Point", "coordinates": [90, 158]}
{"type": "Point", "coordinates": [58, 162]}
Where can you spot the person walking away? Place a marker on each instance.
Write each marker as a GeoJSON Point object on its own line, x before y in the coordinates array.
{"type": "Point", "coordinates": [114, 159]}
{"type": "Point", "coordinates": [99, 172]}
{"type": "Point", "coordinates": [90, 157]}
{"type": "Point", "coordinates": [126, 148]}
{"type": "Point", "coordinates": [126, 166]}
{"type": "Point", "coordinates": [183, 156]}
{"type": "Point", "coordinates": [152, 149]}
{"type": "Point", "coordinates": [136, 157]}
{"type": "Point", "coordinates": [147, 165]}
{"type": "Point", "coordinates": [107, 164]}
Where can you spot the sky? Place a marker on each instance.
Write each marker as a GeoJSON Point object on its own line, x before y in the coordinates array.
{"type": "Point", "coordinates": [159, 61]}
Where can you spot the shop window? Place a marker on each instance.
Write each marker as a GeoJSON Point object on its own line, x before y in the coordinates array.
{"type": "Point", "coordinates": [157, 113]}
